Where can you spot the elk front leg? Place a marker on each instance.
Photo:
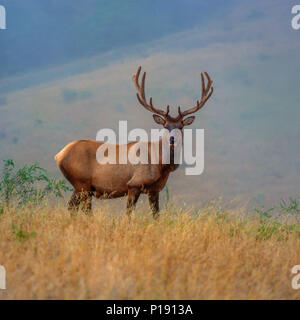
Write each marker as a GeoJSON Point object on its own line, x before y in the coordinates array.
{"type": "Point", "coordinates": [133, 196]}
{"type": "Point", "coordinates": [154, 203]}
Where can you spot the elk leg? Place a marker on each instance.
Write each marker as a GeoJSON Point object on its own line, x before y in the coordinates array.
{"type": "Point", "coordinates": [74, 202]}
{"type": "Point", "coordinates": [86, 201]}
{"type": "Point", "coordinates": [133, 196]}
{"type": "Point", "coordinates": [83, 199]}
{"type": "Point", "coordinates": [154, 203]}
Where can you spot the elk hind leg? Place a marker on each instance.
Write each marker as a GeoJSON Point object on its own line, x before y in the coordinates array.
{"type": "Point", "coordinates": [133, 196]}
{"type": "Point", "coordinates": [82, 200]}
{"type": "Point", "coordinates": [74, 202]}
{"type": "Point", "coordinates": [86, 201]}
{"type": "Point", "coordinates": [154, 203]}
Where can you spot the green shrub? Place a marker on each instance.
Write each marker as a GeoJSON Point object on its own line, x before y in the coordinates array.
{"type": "Point", "coordinates": [30, 184]}
{"type": "Point", "coordinates": [291, 207]}
{"type": "Point", "coordinates": [20, 234]}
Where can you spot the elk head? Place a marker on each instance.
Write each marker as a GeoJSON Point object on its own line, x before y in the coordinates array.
{"type": "Point", "coordinates": [162, 117]}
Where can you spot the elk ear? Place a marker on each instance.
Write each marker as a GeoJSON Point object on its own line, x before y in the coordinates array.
{"type": "Point", "coordinates": [158, 119]}
{"type": "Point", "coordinates": [188, 121]}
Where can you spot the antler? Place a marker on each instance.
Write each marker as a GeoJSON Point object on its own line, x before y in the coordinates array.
{"type": "Point", "coordinates": [141, 94]}
{"type": "Point", "coordinates": [207, 91]}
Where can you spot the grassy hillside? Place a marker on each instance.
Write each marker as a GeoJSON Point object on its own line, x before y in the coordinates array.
{"type": "Point", "coordinates": [206, 254]}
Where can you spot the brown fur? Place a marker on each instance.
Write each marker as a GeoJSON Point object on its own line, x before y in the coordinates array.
{"type": "Point", "coordinates": [77, 161]}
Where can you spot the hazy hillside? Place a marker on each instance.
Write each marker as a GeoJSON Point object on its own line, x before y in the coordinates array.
{"type": "Point", "coordinates": [51, 33]}
{"type": "Point", "coordinates": [36, 123]}
{"type": "Point", "coordinates": [251, 123]}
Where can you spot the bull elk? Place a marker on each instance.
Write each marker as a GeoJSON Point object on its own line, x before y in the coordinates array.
{"type": "Point", "coordinates": [79, 165]}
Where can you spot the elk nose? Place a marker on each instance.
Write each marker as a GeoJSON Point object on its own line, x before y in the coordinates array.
{"type": "Point", "coordinates": [172, 140]}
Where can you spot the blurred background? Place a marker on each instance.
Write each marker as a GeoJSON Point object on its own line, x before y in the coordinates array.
{"type": "Point", "coordinates": [66, 67]}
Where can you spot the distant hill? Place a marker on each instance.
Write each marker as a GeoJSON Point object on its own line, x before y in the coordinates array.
{"type": "Point", "coordinates": [48, 33]}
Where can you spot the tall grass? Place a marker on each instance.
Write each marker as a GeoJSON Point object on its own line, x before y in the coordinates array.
{"type": "Point", "coordinates": [210, 254]}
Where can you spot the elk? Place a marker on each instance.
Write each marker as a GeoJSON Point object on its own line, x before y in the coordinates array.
{"type": "Point", "coordinates": [77, 161]}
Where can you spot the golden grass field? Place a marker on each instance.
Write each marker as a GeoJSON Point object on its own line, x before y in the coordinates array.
{"type": "Point", "coordinates": [210, 254]}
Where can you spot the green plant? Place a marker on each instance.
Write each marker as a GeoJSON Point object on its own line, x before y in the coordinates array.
{"type": "Point", "coordinates": [285, 207]}
{"type": "Point", "coordinates": [167, 194]}
{"type": "Point", "coordinates": [20, 234]}
{"type": "Point", "coordinates": [291, 207]}
{"type": "Point", "coordinates": [264, 213]}
{"type": "Point", "coordinates": [281, 231]}
{"type": "Point", "coordinates": [29, 184]}
{"type": "Point", "coordinates": [267, 230]}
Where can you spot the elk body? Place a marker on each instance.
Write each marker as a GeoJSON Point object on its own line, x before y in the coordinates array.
{"type": "Point", "coordinates": [79, 165]}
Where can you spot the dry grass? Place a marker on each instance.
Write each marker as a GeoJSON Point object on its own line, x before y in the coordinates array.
{"type": "Point", "coordinates": [49, 254]}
